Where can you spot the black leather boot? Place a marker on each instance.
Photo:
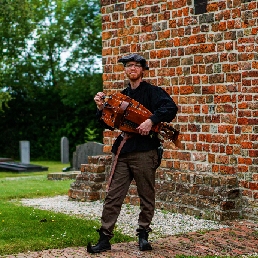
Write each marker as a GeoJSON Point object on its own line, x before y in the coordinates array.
{"type": "Point", "coordinates": [143, 235]}
{"type": "Point", "coordinates": [102, 245]}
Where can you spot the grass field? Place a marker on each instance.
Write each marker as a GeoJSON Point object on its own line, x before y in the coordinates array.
{"type": "Point", "coordinates": [25, 229]}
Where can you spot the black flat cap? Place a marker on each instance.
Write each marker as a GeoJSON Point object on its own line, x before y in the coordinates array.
{"type": "Point", "coordinates": [135, 58]}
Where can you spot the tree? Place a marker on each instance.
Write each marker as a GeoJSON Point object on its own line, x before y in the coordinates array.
{"type": "Point", "coordinates": [14, 29]}
{"type": "Point", "coordinates": [52, 95]}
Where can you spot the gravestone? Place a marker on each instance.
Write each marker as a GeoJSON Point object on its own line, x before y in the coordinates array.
{"type": "Point", "coordinates": [64, 150]}
{"type": "Point", "coordinates": [25, 152]}
{"type": "Point", "coordinates": [23, 166]}
{"type": "Point", "coordinates": [80, 156]}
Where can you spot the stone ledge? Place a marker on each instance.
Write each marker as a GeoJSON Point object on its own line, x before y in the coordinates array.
{"type": "Point", "coordinates": [63, 175]}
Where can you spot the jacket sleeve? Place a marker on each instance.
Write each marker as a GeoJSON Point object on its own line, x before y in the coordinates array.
{"type": "Point", "coordinates": [163, 106]}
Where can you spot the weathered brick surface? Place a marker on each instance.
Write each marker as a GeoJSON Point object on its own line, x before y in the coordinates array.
{"type": "Point", "coordinates": [93, 168]}
{"type": "Point", "coordinates": [208, 63]}
{"type": "Point", "coordinates": [62, 175]}
{"type": "Point", "coordinates": [204, 195]}
{"type": "Point", "coordinates": [89, 185]}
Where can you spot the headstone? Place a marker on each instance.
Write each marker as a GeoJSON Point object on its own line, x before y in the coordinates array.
{"type": "Point", "coordinates": [25, 152]}
{"type": "Point", "coordinates": [64, 150]}
{"type": "Point", "coordinates": [80, 156]}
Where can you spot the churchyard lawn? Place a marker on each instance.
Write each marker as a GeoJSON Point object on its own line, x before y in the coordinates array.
{"type": "Point", "coordinates": [24, 229]}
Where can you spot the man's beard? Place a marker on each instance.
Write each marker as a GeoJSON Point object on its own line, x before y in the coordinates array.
{"type": "Point", "coordinates": [135, 78]}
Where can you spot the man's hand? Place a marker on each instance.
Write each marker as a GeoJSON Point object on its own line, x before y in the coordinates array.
{"type": "Point", "coordinates": [99, 100]}
{"type": "Point", "coordinates": [145, 127]}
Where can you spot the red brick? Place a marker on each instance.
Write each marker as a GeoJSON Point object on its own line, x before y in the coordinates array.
{"type": "Point", "coordinates": [242, 121]}
{"type": "Point", "coordinates": [246, 161]}
{"type": "Point", "coordinates": [227, 170]}
{"type": "Point", "coordinates": [253, 153]}
{"type": "Point", "coordinates": [255, 195]}
{"type": "Point", "coordinates": [246, 145]}
{"type": "Point", "coordinates": [215, 168]}
{"type": "Point", "coordinates": [186, 90]}
{"type": "Point", "coordinates": [211, 158]}
{"type": "Point", "coordinates": [208, 89]}
{"type": "Point", "coordinates": [107, 149]}
{"type": "Point", "coordinates": [212, 7]}
{"type": "Point", "coordinates": [222, 159]}
{"type": "Point", "coordinates": [229, 150]}
{"type": "Point", "coordinates": [253, 186]}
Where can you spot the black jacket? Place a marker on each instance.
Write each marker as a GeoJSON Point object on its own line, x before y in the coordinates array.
{"type": "Point", "coordinates": [161, 106]}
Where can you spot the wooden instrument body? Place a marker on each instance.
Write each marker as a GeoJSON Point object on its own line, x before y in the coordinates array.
{"type": "Point", "coordinates": [126, 114]}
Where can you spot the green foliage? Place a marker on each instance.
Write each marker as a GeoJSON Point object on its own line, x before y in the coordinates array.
{"type": "Point", "coordinates": [90, 134]}
{"type": "Point", "coordinates": [49, 64]}
{"type": "Point", "coordinates": [16, 26]}
{"type": "Point", "coordinates": [4, 98]}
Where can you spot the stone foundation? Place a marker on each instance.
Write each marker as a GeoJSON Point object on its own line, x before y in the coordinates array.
{"type": "Point", "coordinates": [204, 195]}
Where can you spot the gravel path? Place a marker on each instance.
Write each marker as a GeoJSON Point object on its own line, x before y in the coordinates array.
{"type": "Point", "coordinates": [164, 223]}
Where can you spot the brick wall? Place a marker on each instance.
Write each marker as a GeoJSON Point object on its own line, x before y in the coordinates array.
{"type": "Point", "coordinates": [209, 65]}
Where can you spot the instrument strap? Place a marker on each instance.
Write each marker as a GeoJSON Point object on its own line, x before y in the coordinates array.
{"type": "Point", "coordinates": [126, 136]}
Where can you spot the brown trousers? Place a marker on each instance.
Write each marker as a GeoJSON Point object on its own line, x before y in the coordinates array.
{"type": "Point", "coordinates": [140, 166]}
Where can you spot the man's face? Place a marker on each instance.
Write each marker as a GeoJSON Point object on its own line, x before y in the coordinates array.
{"type": "Point", "coordinates": [133, 70]}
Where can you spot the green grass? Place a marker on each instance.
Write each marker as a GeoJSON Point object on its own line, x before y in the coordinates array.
{"type": "Point", "coordinates": [31, 187]}
{"type": "Point", "coordinates": [24, 229]}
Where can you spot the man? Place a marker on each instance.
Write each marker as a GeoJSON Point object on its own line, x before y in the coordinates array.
{"type": "Point", "coordinates": [138, 158]}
